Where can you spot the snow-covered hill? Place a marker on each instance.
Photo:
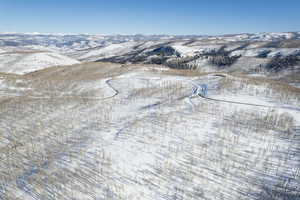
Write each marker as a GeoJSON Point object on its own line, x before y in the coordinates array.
{"type": "Point", "coordinates": [25, 62]}
{"type": "Point", "coordinates": [102, 131]}
{"type": "Point", "coordinates": [244, 52]}
{"type": "Point", "coordinates": [69, 42]}
{"type": "Point", "coordinates": [75, 42]}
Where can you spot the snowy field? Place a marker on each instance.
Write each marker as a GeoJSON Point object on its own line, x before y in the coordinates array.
{"type": "Point", "coordinates": [25, 62]}
{"type": "Point", "coordinates": [96, 131]}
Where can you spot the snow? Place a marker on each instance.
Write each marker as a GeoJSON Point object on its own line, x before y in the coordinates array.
{"type": "Point", "coordinates": [193, 50]}
{"type": "Point", "coordinates": [271, 36]}
{"type": "Point", "coordinates": [22, 63]}
{"type": "Point", "coordinates": [284, 52]}
{"type": "Point", "coordinates": [109, 51]}
{"type": "Point", "coordinates": [142, 134]}
{"type": "Point", "coordinates": [270, 52]}
{"type": "Point", "coordinates": [245, 99]}
{"type": "Point", "coordinates": [185, 51]}
{"type": "Point", "coordinates": [250, 52]}
{"type": "Point", "coordinates": [184, 147]}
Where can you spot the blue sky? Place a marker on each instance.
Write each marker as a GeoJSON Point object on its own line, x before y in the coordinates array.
{"type": "Point", "coordinates": [149, 16]}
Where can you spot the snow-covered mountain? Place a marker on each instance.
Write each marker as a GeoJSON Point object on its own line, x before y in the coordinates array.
{"type": "Point", "coordinates": [69, 42]}
{"type": "Point", "coordinates": [246, 52]}
{"type": "Point", "coordinates": [73, 42]}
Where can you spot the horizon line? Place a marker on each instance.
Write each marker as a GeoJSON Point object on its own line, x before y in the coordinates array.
{"type": "Point", "coordinates": [141, 34]}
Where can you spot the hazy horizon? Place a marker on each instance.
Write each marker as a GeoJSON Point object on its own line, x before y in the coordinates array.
{"type": "Point", "coordinates": [136, 34]}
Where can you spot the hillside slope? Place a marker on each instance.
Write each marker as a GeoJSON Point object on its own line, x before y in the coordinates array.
{"type": "Point", "coordinates": [25, 62]}
{"type": "Point", "coordinates": [110, 131]}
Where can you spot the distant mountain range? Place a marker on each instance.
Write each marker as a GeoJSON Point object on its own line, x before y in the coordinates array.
{"type": "Point", "coordinates": [69, 42]}
{"type": "Point", "coordinates": [262, 52]}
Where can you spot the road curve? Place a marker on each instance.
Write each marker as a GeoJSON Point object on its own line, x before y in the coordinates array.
{"type": "Point", "coordinates": [199, 87]}
{"type": "Point", "coordinates": [107, 82]}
